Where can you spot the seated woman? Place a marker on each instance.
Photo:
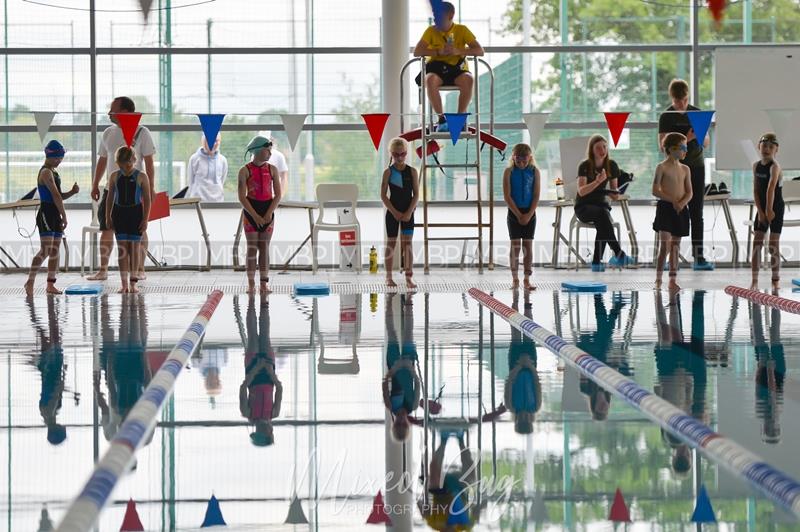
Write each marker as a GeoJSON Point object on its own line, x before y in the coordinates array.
{"type": "Point", "coordinates": [592, 205]}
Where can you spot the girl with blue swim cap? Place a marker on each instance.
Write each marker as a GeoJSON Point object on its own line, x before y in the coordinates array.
{"type": "Point", "coordinates": [51, 219]}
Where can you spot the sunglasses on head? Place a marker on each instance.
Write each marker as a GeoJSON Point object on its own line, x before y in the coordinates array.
{"type": "Point", "coordinates": [399, 154]}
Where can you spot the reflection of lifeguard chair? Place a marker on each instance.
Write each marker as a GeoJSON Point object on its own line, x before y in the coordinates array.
{"type": "Point", "coordinates": [429, 146]}
{"type": "Point", "coordinates": [350, 317]}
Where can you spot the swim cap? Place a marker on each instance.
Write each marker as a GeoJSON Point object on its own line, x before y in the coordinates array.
{"type": "Point", "coordinates": [54, 150]}
{"type": "Point", "coordinates": [257, 143]}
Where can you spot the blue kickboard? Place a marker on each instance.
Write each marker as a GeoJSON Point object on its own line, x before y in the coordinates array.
{"type": "Point", "coordinates": [91, 289]}
{"type": "Point", "coordinates": [584, 286]}
{"type": "Point", "coordinates": [796, 282]}
{"type": "Point", "coordinates": [312, 289]}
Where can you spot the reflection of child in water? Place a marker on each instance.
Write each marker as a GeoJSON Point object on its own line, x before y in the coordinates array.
{"type": "Point", "coordinates": [770, 372]}
{"type": "Point", "coordinates": [50, 364]}
{"type": "Point", "coordinates": [401, 385]}
{"type": "Point", "coordinates": [598, 344]}
{"type": "Point", "coordinates": [523, 391]}
{"type": "Point", "coordinates": [125, 362]}
{"type": "Point", "coordinates": [450, 505]}
{"type": "Point", "coordinates": [681, 368]}
{"type": "Point", "coordinates": [261, 392]}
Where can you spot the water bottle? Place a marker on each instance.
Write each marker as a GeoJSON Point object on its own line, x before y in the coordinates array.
{"type": "Point", "coordinates": [559, 189]}
{"type": "Point", "coordinates": [373, 302]}
{"type": "Point", "coordinates": [373, 260]}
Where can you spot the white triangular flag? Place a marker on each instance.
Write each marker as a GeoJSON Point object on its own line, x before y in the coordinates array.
{"type": "Point", "coordinates": [43, 120]}
{"type": "Point", "coordinates": [535, 123]}
{"type": "Point", "coordinates": [144, 5]}
{"type": "Point", "coordinates": [781, 121]}
{"type": "Point", "coordinates": [293, 125]}
{"type": "Point", "coordinates": [749, 150]}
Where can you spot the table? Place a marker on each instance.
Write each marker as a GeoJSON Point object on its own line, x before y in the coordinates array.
{"type": "Point", "coordinates": [27, 204]}
{"type": "Point", "coordinates": [724, 201]}
{"type": "Point", "coordinates": [188, 202]}
{"type": "Point", "coordinates": [287, 204]}
{"type": "Point", "coordinates": [558, 236]}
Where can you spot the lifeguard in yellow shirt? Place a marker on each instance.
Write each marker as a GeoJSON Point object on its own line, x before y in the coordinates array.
{"type": "Point", "coordinates": [447, 45]}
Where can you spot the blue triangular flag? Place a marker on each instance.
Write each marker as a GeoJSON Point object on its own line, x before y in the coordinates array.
{"type": "Point", "coordinates": [458, 514]}
{"type": "Point", "coordinates": [701, 121]}
{"type": "Point", "coordinates": [211, 125]}
{"type": "Point", "coordinates": [436, 9]}
{"type": "Point", "coordinates": [213, 514]}
{"type": "Point", "coordinates": [455, 123]}
{"type": "Point", "coordinates": [703, 512]}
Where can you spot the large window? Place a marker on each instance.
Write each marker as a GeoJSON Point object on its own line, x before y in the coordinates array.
{"type": "Point", "coordinates": [334, 87]}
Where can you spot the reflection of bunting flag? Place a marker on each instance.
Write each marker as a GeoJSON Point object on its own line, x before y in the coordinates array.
{"type": "Point", "coordinates": [780, 121]}
{"type": "Point", "coordinates": [535, 123]}
{"type": "Point", "coordinates": [701, 121]}
{"type": "Point", "coordinates": [378, 514]}
{"type": "Point", "coordinates": [213, 514]}
{"type": "Point", "coordinates": [144, 5]}
{"type": "Point", "coordinates": [128, 122]}
{"type": "Point", "coordinates": [455, 124]}
{"type": "Point", "coordinates": [211, 125]}
{"type": "Point", "coordinates": [619, 511]}
{"type": "Point", "coordinates": [376, 123]}
{"type": "Point", "coordinates": [43, 120]}
{"type": "Point", "coordinates": [538, 513]}
{"type": "Point", "coordinates": [703, 512]}
{"type": "Point", "coordinates": [296, 515]}
{"type": "Point", "coordinates": [131, 521]}
{"type": "Point", "coordinates": [293, 125]}
{"type": "Point", "coordinates": [616, 123]}
{"type": "Point", "coordinates": [458, 513]}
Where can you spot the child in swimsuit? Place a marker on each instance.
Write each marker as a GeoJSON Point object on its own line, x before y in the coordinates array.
{"type": "Point", "coordinates": [521, 185]}
{"type": "Point", "coordinates": [672, 186]}
{"type": "Point", "coordinates": [259, 194]}
{"type": "Point", "coordinates": [399, 193]}
{"type": "Point", "coordinates": [768, 196]}
{"type": "Point", "coordinates": [51, 219]}
{"type": "Point", "coordinates": [127, 215]}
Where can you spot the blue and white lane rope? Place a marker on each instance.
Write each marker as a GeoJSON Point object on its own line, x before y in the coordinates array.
{"type": "Point", "coordinates": [85, 509]}
{"type": "Point", "coordinates": [777, 486]}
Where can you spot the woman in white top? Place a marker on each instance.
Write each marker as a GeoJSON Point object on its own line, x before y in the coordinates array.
{"type": "Point", "coordinates": [207, 172]}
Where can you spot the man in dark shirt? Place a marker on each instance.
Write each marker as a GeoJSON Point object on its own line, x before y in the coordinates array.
{"type": "Point", "coordinates": [675, 120]}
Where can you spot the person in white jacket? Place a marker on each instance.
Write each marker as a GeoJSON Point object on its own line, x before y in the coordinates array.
{"type": "Point", "coordinates": [208, 169]}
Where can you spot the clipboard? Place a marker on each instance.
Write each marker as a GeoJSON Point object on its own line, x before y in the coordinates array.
{"type": "Point", "coordinates": [160, 207]}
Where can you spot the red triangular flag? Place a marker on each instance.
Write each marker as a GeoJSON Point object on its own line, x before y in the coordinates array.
{"type": "Point", "coordinates": [376, 123]}
{"type": "Point", "coordinates": [128, 122]}
{"type": "Point", "coordinates": [131, 521]}
{"type": "Point", "coordinates": [616, 123]}
{"type": "Point", "coordinates": [717, 8]}
{"type": "Point", "coordinates": [619, 512]}
{"type": "Point", "coordinates": [378, 515]}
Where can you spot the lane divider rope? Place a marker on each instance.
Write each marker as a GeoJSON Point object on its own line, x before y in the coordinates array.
{"type": "Point", "coordinates": [84, 511]}
{"type": "Point", "coordinates": [776, 485]}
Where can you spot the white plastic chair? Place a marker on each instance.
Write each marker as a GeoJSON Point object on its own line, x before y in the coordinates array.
{"type": "Point", "coordinates": [92, 228]}
{"type": "Point", "coordinates": [336, 193]}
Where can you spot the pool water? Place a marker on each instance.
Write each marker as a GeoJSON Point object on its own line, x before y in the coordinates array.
{"type": "Point", "coordinates": [286, 398]}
